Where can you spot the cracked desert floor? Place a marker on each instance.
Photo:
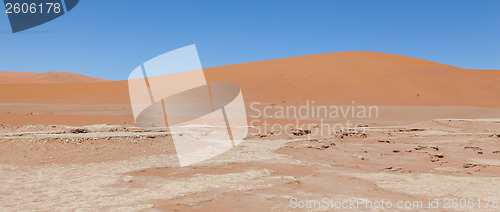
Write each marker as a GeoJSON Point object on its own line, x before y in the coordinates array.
{"type": "Point", "coordinates": [119, 168]}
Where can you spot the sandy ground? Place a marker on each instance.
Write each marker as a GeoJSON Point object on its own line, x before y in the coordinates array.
{"type": "Point", "coordinates": [111, 167]}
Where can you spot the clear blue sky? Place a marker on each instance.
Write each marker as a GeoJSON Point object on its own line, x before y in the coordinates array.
{"type": "Point", "coordinates": [109, 38]}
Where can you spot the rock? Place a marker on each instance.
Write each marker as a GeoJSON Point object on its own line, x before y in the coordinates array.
{"type": "Point", "coordinates": [475, 148]}
{"type": "Point", "coordinates": [435, 157]}
{"type": "Point", "coordinates": [384, 141]}
{"type": "Point", "coordinates": [77, 130]}
{"type": "Point", "coordinates": [469, 165]}
{"type": "Point", "coordinates": [300, 132]}
{"type": "Point", "coordinates": [325, 146]}
{"type": "Point", "coordinates": [394, 169]}
{"type": "Point", "coordinates": [397, 169]}
{"type": "Point", "coordinates": [411, 130]}
{"type": "Point", "coordinates": [496, 152]}
{"type": "Point", "coordinates": [97, 128]}
{"type": "Point", "coordinates": [419, 147]}
{"type": "Point", "coordinates": [438, 155]}
{"type": "Point", "coordinates": [395, 151]}
{"type": "Point", "coordinates": [433, 147]}
{"type": "Point", "coordinates": [352, 133]}
{"type": "Point", "coordinates": [116, 128]}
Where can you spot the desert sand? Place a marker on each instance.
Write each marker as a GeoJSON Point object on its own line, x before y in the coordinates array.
{"type": "Point", "coordinates": [69, 142]}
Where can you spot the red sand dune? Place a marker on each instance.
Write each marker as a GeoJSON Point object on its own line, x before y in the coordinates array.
{"type": "Point", "coordinates": [363, 77]}
{"type": "Point", "coordinates": [113, 92]}
{"type": "Point", "coordinates": [367, 78]}
{"type": "Point", "coordinates": [9, 77]}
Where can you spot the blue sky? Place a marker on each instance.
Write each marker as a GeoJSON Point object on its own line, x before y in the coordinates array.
{"type": "Point", "coordinates": [109, 38]}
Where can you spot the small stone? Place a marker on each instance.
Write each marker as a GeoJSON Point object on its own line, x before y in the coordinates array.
{"type": "Point", "coordinates": [419, 147]}
{"type": "Point", "coordinates": [475, 148]}
{"type": "Point", "coordinates": [433, 147]}
{"type": "Point", "coordinates": [438, 155]}
{"type": "Point", "coordinates": [469, 165]}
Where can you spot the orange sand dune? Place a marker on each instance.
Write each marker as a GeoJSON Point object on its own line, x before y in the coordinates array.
{"type": "Point", "coordinates": [365, 78]}
{"type": "Point", "coordinates": [9, 77]}
{"type": "Point", "coordinates": [495, 74]}
{"type": "Point", "coordinates": [334, 78]}
{"type": "Point", "coordinates": [113, 92]}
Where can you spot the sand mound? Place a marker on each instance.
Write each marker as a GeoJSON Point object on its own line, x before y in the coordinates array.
{"type": "Point", "coordinates": [344, 78]}
{"type": "Point", "coordinates": [333, 79]}
{"type": "Point", "coordinates": [363, 77]}
{"type": "Point", "coordinates": [8, 77]}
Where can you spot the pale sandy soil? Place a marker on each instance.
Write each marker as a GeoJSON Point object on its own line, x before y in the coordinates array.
{"type": "Point", "coordinates": [124, 168]}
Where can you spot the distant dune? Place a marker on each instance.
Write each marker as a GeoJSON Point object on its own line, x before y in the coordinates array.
{"type": "Point", "coordinates": [334, 78]}
{"type": "Point", "coordinates": [112, 92]}
{"type": "Point", "coordinates": [365, 78]}
{"type": "Point", "coordinates": [51, 77]}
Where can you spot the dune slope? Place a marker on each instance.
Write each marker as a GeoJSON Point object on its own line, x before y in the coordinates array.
{"type": "Point", "coordinates": [363, 77]}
